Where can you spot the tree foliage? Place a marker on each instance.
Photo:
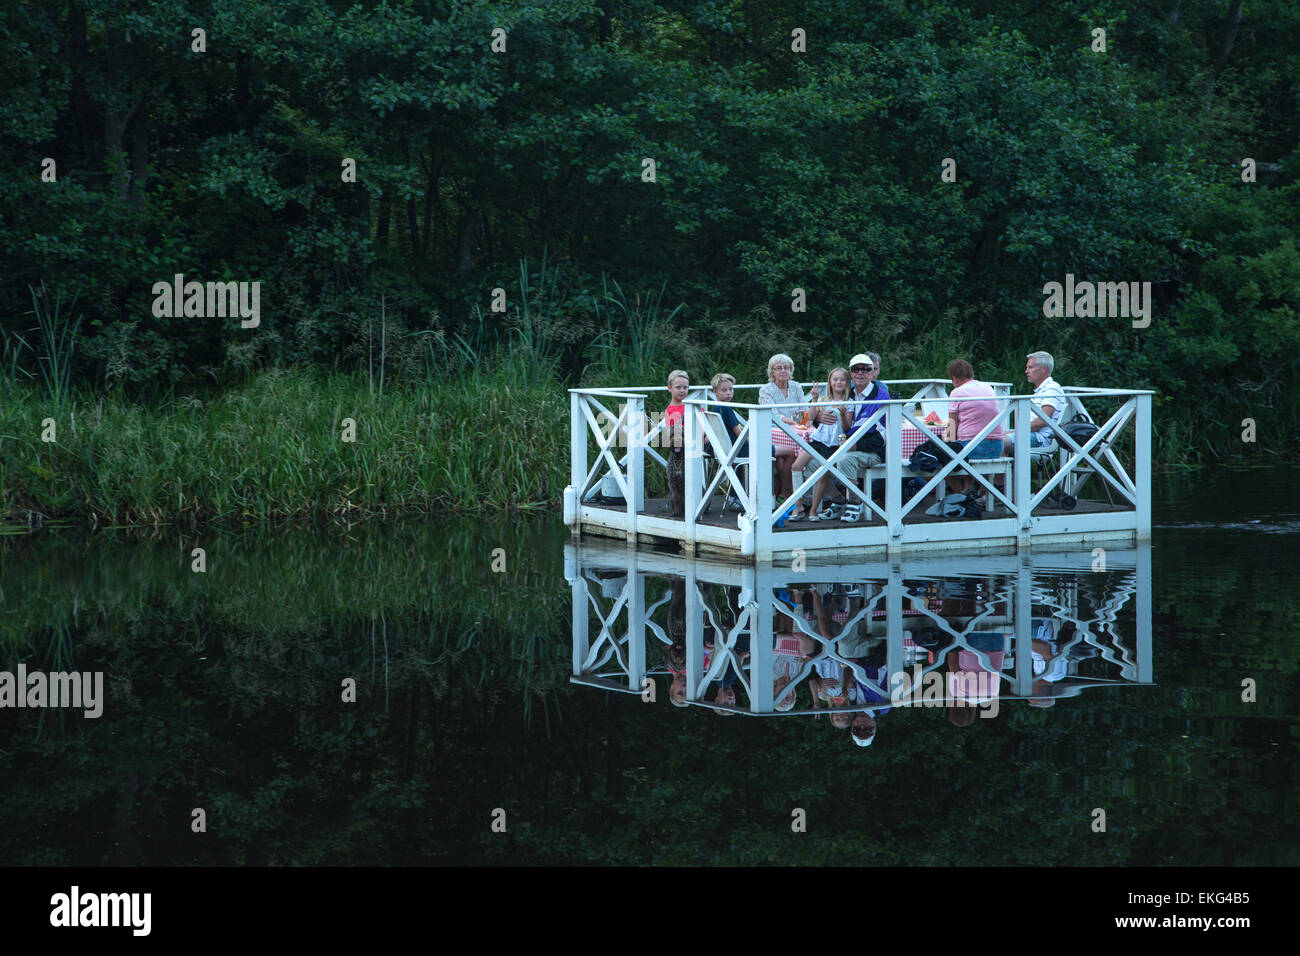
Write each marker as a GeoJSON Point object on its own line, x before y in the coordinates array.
{"type": "Point", "coordinates": [775, 169]}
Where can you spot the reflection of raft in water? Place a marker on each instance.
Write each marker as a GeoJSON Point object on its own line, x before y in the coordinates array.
{"type": "Point", "coordinates": [1038, 627]}
{"type": "Point", "coordinates": [1091, 485]}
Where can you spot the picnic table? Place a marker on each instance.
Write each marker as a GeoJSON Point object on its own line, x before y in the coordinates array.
{"type": "Point", "coordinates": [912, 437]}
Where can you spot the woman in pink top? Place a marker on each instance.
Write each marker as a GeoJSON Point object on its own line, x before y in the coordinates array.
{"type": "Point", "coordinates": [971, 406]}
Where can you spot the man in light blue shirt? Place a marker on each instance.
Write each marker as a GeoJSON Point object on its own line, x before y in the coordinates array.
{"type": "Point", "coordinates": [1048, 396]}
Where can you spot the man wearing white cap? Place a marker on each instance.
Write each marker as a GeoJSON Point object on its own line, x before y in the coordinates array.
{"type": "Point", "coordinates": [863, 729]}
{"type": "Point", "coordinates": [868, 394]}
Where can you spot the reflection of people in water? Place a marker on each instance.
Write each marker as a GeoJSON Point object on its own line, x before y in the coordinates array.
{"type": "Point", "coordinates": [971, 685]}
{"type": "Point", "coordinates": [843, 665]}
{"type": "Point", "coordinates": [677, 686]}
{"type": "Point", "coordinates": [787, 662]}
{"type": "Point", "coordinates": [676, 653]}
{"type": "Point", "coordinates": [831, 682]}
{"type": "Point", "coordinates": [873, 666]}
{"type": "Point", "coordinates": [1050, 664]}
{"type": "Point", "coordinates": [725, 688]}
{"type": "Point", "coordinates": [863, 729]}
{"type": "Point", "coordinates": [725, 697]}
{"type": "Point", "coordinates": [785, 700]}
{"type": "Point", "coordinates": [676, 663]}
{"type": "Point", "coordinates": [827, 683]}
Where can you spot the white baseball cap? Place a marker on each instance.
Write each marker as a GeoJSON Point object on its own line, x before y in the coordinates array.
{"type": "Point", "coordinates": [861, 359]}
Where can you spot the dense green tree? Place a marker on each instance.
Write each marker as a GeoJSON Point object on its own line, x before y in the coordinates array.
{"type": "Point", "coordinates": [775, 168]}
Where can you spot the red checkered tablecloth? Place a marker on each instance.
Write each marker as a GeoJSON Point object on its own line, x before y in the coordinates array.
{"type": "Point", "coordinates": [913, 438]}
{"type": "Point", "coordinates": [781, 440]}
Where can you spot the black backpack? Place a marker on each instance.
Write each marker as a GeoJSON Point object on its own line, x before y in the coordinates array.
{"type": "Point", "coordinates": [1080, 432]}
{"type": "Point", "coordinates": [928, 457]}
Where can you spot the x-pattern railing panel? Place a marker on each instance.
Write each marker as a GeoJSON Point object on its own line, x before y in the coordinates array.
{"type": "Point", "coordinates": [955, 461]}
{"type": "Point", "coordinates": [1108, 452]}
{"type": "Point", "coordinates": [1083, 453]}
{"type": "Point", "coordinates": [809, 665]}
{"type": "Point", "coordinates": [1104, 620]}
{"type": "Point", "coordinates": [724, 647]}
{"type": "Point", "coordinates": [1078, 460]}
{"type": "Point", "coordinates": [726, 468]}
{"type": "Point", "coordinates": [957, 458]}
{"type": "Point", "coordinates": [607, 635]}
{"type": "Point", "coordinates": [960, 642]}
{"type": "Point", "coordinates": [603, 444]}
{"type": "Point", "coordinates": [655, 628]}
{"type": "Point", "coordinates": [830, 466]}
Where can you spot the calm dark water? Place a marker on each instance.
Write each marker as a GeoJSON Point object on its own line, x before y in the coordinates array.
{"type": "Point", "coordinates": [224, 691]}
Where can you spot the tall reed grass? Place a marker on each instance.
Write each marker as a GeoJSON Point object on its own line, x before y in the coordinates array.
{"type": "Point", "coordinates": [484, 430]}
{"type": "Point", "coordinates": [56, 337]}
{"type": "Point", "coordinates": [489, 440]}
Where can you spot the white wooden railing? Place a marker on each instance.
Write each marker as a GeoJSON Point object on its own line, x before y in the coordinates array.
{"type": "Point", "coordinates": [614, 654]}
{"type": "Point", "coordinates": [623, 436]}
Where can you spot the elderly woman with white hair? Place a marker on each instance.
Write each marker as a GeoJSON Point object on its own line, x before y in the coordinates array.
{"type": "Point", "coordinates": [782, 388]}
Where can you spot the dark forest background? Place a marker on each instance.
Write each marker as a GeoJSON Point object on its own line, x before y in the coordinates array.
{"type": "Point", "coordinates": [774, 170]}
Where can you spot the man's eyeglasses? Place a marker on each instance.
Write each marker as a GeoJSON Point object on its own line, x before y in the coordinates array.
{"type": "Point", "coordinates": [862, 368]}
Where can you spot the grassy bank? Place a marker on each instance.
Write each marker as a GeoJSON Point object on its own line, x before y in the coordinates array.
{"type": "Point", "coordinates": [274, 447]}
{"type": "Point", "coordinates": [487, 435]}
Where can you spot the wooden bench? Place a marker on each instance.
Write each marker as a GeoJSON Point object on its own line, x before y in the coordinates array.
{"type": "Point", "coordinates": [982, 466]}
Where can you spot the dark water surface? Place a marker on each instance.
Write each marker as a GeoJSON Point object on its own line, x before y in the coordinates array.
{"type": "Point", "coordinates": [223, 691]}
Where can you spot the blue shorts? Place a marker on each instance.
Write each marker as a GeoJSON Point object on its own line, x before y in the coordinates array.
{"type": "Point", "coordinates": [1039, 439]}
{"type": "Point", "coordinates": [988, 448]}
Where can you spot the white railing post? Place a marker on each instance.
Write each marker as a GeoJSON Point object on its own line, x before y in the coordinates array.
{"type": "Point", "coordinates": [1024, 682]}
{"type": "Point", "coordinates": [577, 441]}
{"type": "Point", "coordinates": [748, 520]}
{"type": "Point", "coordinates": [762, 650]}
{"type": "Point", "coordinates": [695, 637]}
{"type": "Point", "coordinates": [894, 626]}
{"type": "Point", "coordinates": [581, 637]}
{"type": "Point", "coordinates": [760, 448]}
{"type": "Point", "coordinates": [893, 472]}
{"type": "Point", "coordinates": [694, 472]}
{"type": "Point", "coordinates": [694, 650]}
{"type": "Point", "coordinates": [636, 625]}
{"type": "Point", "coordinates": [1142, 611]}
{"type": "Point", "coordinates": [1021, 418]}
{"type": "Point", "coordinates": [1142, 467]}
{"type": "Point", "coordinates": [635, 462]}
{"type": "Point", "coordinates": [577, 462]}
